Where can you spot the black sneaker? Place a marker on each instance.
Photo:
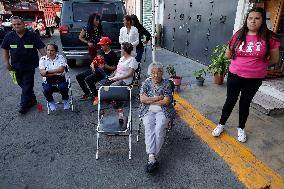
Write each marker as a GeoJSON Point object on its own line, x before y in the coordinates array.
{"type": "Point", "coordinates": [32, 103]}
{"type": "Point", "coordinates": [23, 109]}
{"type": "Point", "coordinates": [151, 166]}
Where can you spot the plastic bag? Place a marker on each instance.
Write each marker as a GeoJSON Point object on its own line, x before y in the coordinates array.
{"type": "Point", "coordinates": [13, 77]}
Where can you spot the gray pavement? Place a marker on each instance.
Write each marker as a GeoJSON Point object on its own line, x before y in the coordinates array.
{"type": "Point", "coordinates": [58, 151]}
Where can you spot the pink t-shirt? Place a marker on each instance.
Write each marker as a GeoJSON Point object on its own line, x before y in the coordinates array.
{"type": "Point", "coordinates": [250, 61]}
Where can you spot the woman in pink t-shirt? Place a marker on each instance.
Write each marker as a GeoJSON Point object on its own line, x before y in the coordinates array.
{"type": "Point", "coordinates": [251, 50]}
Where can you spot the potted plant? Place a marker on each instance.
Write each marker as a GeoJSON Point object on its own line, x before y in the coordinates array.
{"type": "Point", "coordinates": [219, 64]}
{"type": "Point", "coordinates": [198, 74]}
{"type": "Point", "coordinates": [170, 69]}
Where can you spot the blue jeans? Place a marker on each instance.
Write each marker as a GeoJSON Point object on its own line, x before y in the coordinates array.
{"type": "Point", "coordinates": [49, 89]}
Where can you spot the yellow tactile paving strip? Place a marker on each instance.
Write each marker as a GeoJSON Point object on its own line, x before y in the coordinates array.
{"type": "Point", "coordinates": [250, 171]}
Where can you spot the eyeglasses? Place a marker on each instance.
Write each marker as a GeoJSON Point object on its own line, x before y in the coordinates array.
{"type": "Point", "coordinates": [156, 73]}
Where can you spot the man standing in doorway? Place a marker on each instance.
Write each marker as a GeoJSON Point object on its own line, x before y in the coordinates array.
{"type": "Point", "coordinates": [22, 47]}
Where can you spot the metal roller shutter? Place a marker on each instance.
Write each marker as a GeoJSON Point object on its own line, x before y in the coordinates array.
{"type": "Point", "coordinates": [147, 15]}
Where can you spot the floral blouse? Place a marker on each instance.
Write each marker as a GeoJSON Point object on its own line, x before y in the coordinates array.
{"type": "Point", "coordinates": [151, 90]}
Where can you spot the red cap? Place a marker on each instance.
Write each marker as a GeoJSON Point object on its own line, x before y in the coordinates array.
{"type": "Point", "coordinates": [104, 41]}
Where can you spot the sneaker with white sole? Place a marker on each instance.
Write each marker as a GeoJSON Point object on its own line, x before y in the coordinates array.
{"type": "Point", "coordinates": [242, 137]}
{"type": "Point", "coordinates": [66, 104]}
{"type": "Point", "coordinates": [218, 130]}
{"type": "Point", "coordinates": [52, 106]}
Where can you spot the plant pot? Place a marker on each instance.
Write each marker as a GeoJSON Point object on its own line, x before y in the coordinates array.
{"type": "Point", "coordinates": [199, 81]}
{"type": "Point", "coordinates": [219, 78]}
{"type": "Point", "coordinates": [177, 80]}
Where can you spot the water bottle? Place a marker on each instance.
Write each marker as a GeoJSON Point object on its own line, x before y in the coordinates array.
{"type": "Point", "coordinates": [120, 115]}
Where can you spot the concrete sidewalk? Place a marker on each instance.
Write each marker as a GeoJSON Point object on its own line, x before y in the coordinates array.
{"type": "Point", "coordinates": [264, 133]}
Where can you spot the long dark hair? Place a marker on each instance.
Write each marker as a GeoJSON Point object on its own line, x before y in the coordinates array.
{"type": "Point", "coordinates": [90, 24]}
{"type": "Point", "coordinates": [263, 32]}
{"type": "Point", "coordinates": [135, 21]}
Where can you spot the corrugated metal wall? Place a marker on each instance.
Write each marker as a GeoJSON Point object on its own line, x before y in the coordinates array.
{"type": "Point", "coordinates": [147, 14]}
{"type": "Point", "coordinates": [193, 28]}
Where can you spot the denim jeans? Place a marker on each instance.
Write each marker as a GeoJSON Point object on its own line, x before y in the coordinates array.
{"type": "Point", "coordinates": [49, 89]}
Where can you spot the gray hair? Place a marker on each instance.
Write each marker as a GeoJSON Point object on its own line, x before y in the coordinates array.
{"type": "Point", "coordinates": [155, 65]}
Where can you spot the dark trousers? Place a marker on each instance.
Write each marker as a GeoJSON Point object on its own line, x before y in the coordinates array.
{"type": "Point", "coordinates": [49, 89]}
{"type": "Point", "coordinates": [25, 80]}
{"type": "Point", "coordinates": [236, 85]}
{"type": "Point", "coordinates": [139, 55]}
{"type": "Point", "coordinates": [138, 58]}
{"type": "Point", "coordinates": [89, 78]}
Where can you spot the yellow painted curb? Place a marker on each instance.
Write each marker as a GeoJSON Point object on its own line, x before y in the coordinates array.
{"type": "Point", "coordinates": [250, 171]}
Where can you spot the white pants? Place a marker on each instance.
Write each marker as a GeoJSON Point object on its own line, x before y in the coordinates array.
{"type": "Point", "coordinates": [155, 130]}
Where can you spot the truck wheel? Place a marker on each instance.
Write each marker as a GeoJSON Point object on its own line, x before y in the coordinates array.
{"type": "Point", "coordinates": [71, 63]}
{"type": "Point", "coordinates": [48, 32]}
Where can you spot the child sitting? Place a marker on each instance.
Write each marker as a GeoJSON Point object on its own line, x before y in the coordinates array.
{"type": "Point", "coordinates": [98, 63]}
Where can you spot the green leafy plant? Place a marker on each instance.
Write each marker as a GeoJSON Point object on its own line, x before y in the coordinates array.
{"type": "Point", "coordinates": [170, 69]}
{"type": "Point", "coordinates": [219, 63]}
{"type": "Point", "coordinates": [198, 74]}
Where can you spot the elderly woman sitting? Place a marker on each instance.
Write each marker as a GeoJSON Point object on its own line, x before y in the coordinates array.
{"type": "Point", "coordinates": [156, 111]}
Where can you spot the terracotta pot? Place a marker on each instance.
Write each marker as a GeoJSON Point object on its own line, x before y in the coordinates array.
{"type": "Point", "coordinates": [177, 80]}
{"type": "Point", "coordinates": [219, 79]}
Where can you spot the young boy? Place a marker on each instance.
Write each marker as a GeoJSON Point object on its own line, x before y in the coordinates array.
{"type": "Point", "coordinates": [97, 63]}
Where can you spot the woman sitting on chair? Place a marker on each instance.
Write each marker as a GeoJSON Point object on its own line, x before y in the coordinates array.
{"type": "Point", "coordinates": [126, 67]}
{"type": "Point", "coordinates": [156, 111]}
{"type": "Point", "coordinates": [123, 75]}
{"type": "Point", "coordinates": [52, 67]}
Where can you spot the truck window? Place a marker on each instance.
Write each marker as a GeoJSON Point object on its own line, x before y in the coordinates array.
{"type": "Point", "coordinates": [109, 12]}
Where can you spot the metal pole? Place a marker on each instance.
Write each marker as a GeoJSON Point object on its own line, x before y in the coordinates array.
{"type": "Point", "coordinates": [153, 32]}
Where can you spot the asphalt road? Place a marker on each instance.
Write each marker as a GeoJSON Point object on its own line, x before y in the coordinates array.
{"type": "Point", "coordinates": [58, 150]}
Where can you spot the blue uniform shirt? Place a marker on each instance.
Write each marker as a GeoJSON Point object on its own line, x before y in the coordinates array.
{"type": "Point", "coordinates": [23, 50]}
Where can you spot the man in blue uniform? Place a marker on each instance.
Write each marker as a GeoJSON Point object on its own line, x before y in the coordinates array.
{"type": "Point", "coordinates": [22, 47]}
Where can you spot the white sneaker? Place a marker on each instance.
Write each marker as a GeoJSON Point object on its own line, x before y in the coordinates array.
{"type": "Point", "coordinates": [52, 106]}
{"type": "Point", "coordinates": [242, 137]}
{"type": "Point", "coordinates": [66, 104]}
{"type": "Point", "coordinates": [218, 130]}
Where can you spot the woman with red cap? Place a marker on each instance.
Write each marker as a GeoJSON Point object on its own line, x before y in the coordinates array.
{"type": "Point", "coordinates": [97, 72]}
